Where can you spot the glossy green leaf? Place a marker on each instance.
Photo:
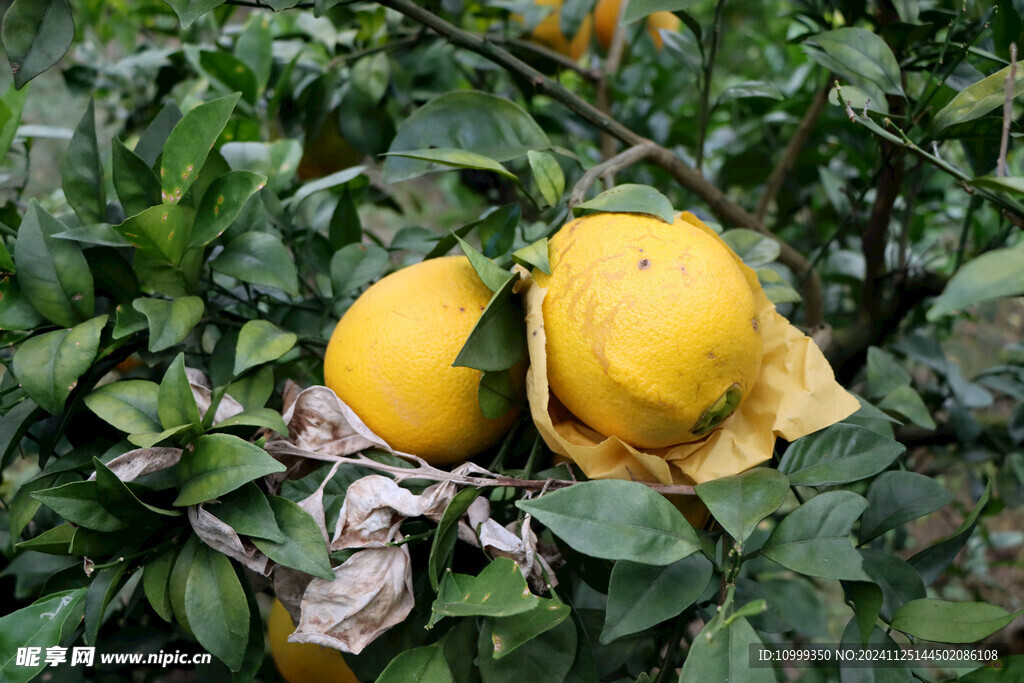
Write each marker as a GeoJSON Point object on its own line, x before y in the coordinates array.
{"type": "Point", "coordinates": [102, 234]}
{"type": "Point", "coordinates": [49, 365]}
{"type": "Point", "coordinates": [129, 405]}
{"type": "Point", "coordinates": [751, 90]}
{"type": "Point", "coordinates": [151, 142]}
{"type": "Point", "coordinates": [721, 652]}
{"type": "Point", "coordinates": [355, 265]}
{"type": "Point", "coordinates": [490, 273]}
{"type": "Point", "coordinates": [630, 198]}
{"type": "Point", "coordinates": [170, 322]}
{"type": "Point", "coordinates": [221, 204]}
{"type": "Point", "coordinates": [82, 171]}
{"type": "Point", "coordinates": [52, 273]}
{"type": "Point", "coordinates": [498, 591]}
{"type": "Point", "coordinates": [862, 54]}
{"type": "Point", "coordinates": [221, 463]}
{"type": "Point", "coordinates": [979, 99]}
{"type": "Point", "coordinates": [547, 658]}
{"type": "Point", "coordinates": [189, 144]}
{"type": "Point", "coordinates": [642, 526]}
{"type": "Point", "coordinates": [755, 249]}
{"type": "Point", "coordinates": [260, 342]}
{"type": "Point", "coordinates": [162, 231]}
{"type": "Point", "coordinates": [741, 501]}
{"type": "Point", "coordinates": [190, 10]}
{"type": "Point", "coordinates": [178, 580]}
{"type": "Point", "coordinates": [814, 538]}
{"type": "Point", "coordinates": [534, 255]}
{"type": "Point", "coordinates": [303, 545]}
{"type": "Point", "coordinates": [548, 175]}
{"type": "Point", "coordinates": [497, 340]}
{"type": "Point", "coordinates": [838, 455]}
{"type": "Point", "coordinates": [778, 290]}
{"type": "Point", "coordinates": [135, 182]}
{"type": "Point", "coordinates": [102, 587]}
{"type": "Point", "coordinates": [122, 501]}
{"type": "Point", "coordinates": [254, 47]}
{"type": "Point", "coordinates": [932, 561]}
{"type": "Point", "coordinates": [259, 258]}
{"type": "Point", "coordinates": [641, 596]}
{"type": "Point", "coordinates": [336, 179]}
{"type": "Point", "coordinates": [950, 622]}
{"type": "Point", "coordinates": [476, 122]}
{"type": "Point", "coordinates": [497, 393]}
{"type": "Point", "coordinates": [885, 374]}
{"type": "Point", "coordinates": [508, 633]}
{"type": "Point", "coordinates": [176, 404]}
{"type": "Point", "coordinates": [11, 104]}
{"type": "Point", "coordinates": [898, 497]}
{"type": "Point", "coordinates": [456, 158]}
{"type": "Point", "coordinates": [155, 578]}
{"type": "Point", "coordinates": [419, 665]}
{"type": "Point", "coordinates": [502, 220]}
{"type": "Point", "coordinates": [993, 275]}
{"type": "Point", "coordinates": [442, 546]}
{"type": "Point", "coordinates": [899, 582]}
{"type": "Point", "coordinates": [908, 403]}
{"type": "Point", "coordinates": [78, 502]}
{"type": "Point", "coordinates": [345, 226]}
{"type": "Point", "coordinates": [36, 34]}
{"type": "Point", "coordinates": [43, 624]}
{"type": "Point", "coordinates": [216, 606]}
{"type": "Point", "coordinates": [230, 72]}
{"type": "Point", "coordinates": [255, 417]}
{"type": "Point", "coordinates": [247, 511]}
{"type": "Point", "coordinates": [16, 313]}
{"type": "Point", "coordinates": [55, 541]}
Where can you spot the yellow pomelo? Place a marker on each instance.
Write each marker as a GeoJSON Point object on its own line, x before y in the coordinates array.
{"type": "Point", "coordinates": [390, 359]}
{"type": "Point", "coordinates": [606, 17]}
{"type": "Point", "coordinates": [303, 662]}
{"type": "Point", "coordinates": [549, 33]}
{"type": "Point", "coordinates": [652, 331]}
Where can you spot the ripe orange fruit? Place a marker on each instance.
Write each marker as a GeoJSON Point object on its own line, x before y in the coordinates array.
{"type": "Point", "coordinates": [606, 17]}
{"type": "Point", "coordinates": [549, 33]}
{"type": "Point", "coordinates": [303, 662]}
{"type": "Point", "coordinates": [652, 330]}
{"type": "Point", "coordinates": [390, 359]}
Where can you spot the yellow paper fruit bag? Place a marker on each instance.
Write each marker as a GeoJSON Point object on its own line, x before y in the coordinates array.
{"type": "Point", "coordinates": [794, 393]}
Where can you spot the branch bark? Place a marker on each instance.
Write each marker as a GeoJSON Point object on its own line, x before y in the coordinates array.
{"type": "Point", "coordinates": [724, 208]}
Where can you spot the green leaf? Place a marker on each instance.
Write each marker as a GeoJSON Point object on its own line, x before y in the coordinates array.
{"type": "Point", "coordinates": [899, 582]}
{"type": "Point", "coordinates": [162, 231]}
{"type": "Point", "coordinates": [979, 99]}
{"type": "Point", "coordinates": [896, 498]}
{"type": "Point", "coordinates": [476, 122]}
{"type": "Point", "coordinates": [150, 439]}
{"type": "Point", "coordinates": [221, 463]}
{"type": "Point", "coordinates": [102, 234]}
{"type": "Point", "coordinates": [721, 652]}
{"type": "Point", "coordinates": [48, 366]}
{"type": "Point", "coordinates": [335, 179]}
{"type": "Point", "coordinates": [497, 393]}
{"type": "Point", "coordinates": [814, 538]}
{"type": "Point", "coordinates": [260, 342]}
{"type": "Point", "coordinates": [155, 578]}
{"type": "Point", "coordinates": [55, 541]}
{"type": "Point", "coordinates": [52, 273]}
{"type": "Point", "coordinates": [501, 221]}
{"type": "Point", "coordinates": [867, 601]}
{"type": "Point", "coordinates": [534, 256]}
{"type": "Point", "coordinates": [931, 562]}
{"type": "Point", "coordinates": [642, 526]}
{"type": "Point", "coordinates": [907, 402]}
{"type": "Point", "coordinates": [547, 658]}
{"type": "Point", "coordinates": [751, 89]}
{"type": "Point", "coordinates": [82, 172]}
{"type": "Point", "coordinates": [839, 454]}
{"type": "Point", "coordinates": [136, 184]}
{"type": "Point", "coordinates": [548, 175]}
{"type": "Point", "coordinates": [755, 249]}
{"type": "Point", "coordinates": [863, 54]}
{"type": "Point", "coordinates": [370, 77]}
{"type": "Point", "coordinates": [456, 158]}
{"type": "Point", "coordinates": [778, 290]}
{"type": "Point", "coordinates": [247, 511]}
{"type": "Point", "coordinates": [498, 591]}
{"type": "Point", "coordinates": [950, 622]}
{"type": "Point", "coordinates": [1011, 185]}
{"type": "Point", "coordinates": [740, 502]}
{"type": "Point", "coordinates": [11, 104]}
{"type": "Point", "coordinates": [170, 322]}
{"type": "Point", "coordinates": [129, 405]}
{"type": "Point", "coordinates": [189, 144]}
{"type": "Point", "coordinates": [990, 276]}
{"type": "Point", "coordinates": [216, 606]}
{"type": "Point", "coordinates": [259, 258]}
{"type": "Point", "coordinates": [885, 374]}
{"type": "Point", "coordinates": [255, 417]}
{"type": "Point", "coordinates": [230, 72]}
{"type": "Point", "coordinates": [102, 587]}
{"type": "Point", "coordinates": [178, 580]}
{"type": "Point", "coordinates": [641, 596]}
{"type": "Point", "coordinates": [36, 34]}
{"type": "Point", "coordinates": [13, 425]}
{"type": "Point", "coordinates": [497, 340]}
{"type": "Point", "coordinates": [255, 47]}
{"type": "Point", "coordinates": [43, 624]}
{"type": "Point", "coordinates": [345, 227]}
{"type": "Point", "coordinates": [442, 547]}
{"type": "Point", "coordinates": [121, 501]}
{"type": "Point", "coordinates": [508, 633]}
{"type": "Point", "coordinates": [221, 204]}
{"type": "Point", "coordinates": [151, 142]}
{"type": "Point", "coordinates": [176, 405]}
{"type": "Point", "coordinates": [490, 273]}
{"type": "Point", "coordinates": [190, 10]}
{"type": "Point", "coordinates": [16, 313]}
{"type": "Point", "coordinates": [78, 502]}
{"type": "Point", "coordinates": [420, 665]}
{"type": "Point", "coordinates": [355, 265]}
{"type": "Point", "coordinates": [638, 9]}
{"type": "Point", "coordinates": [630, 198]}
{"type": "Point", "coordinates": [303, 547]}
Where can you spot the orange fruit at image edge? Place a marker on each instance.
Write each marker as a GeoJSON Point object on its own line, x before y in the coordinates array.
{"type": "Point", "coordinates": [549, 33]}
{"type": "Point", "coordinates": [606, 16]}
{"type": "Point", "coordinates": [303, 662]}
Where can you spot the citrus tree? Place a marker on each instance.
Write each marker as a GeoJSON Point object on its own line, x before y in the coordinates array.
{"type": "Point", "coordinates": [673, 334]}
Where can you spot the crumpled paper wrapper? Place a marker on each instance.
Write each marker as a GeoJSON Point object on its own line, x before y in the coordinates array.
{"type": "Point", "coordinates": [796, 393]}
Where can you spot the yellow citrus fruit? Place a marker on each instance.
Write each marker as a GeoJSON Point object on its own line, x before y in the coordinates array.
{"type": "Point", "coordinates": [549, 33]}
{"type": "Point", "coordinates": [303, 662]}
{"type": "Point", "coordinates": [652, 330]}
{"type": "Point", "coordinates": [606, 16]}
{"type": "Point", "coordinates": [390, 359]}
{"type": "Point", "coordinates": [328, 152]}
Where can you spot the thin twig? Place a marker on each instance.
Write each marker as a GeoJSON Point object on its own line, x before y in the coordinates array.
{"type": "Point", "coordinates": [615, 164]}
{"type": "Point", "coordinates": [603, 95]}
{"type": "Point", "coordinates": [728, 211]}
{"type": "Point", "coordinates": [1011, 81]}
{"type": "Point", "coordinates": [705, 93]}
{"type": "Point", "coordinates": [424, 470]}
{"type": "Point", "coordinates": [592, 75]}
{"type": "Point", "coordinates": [793, 149]}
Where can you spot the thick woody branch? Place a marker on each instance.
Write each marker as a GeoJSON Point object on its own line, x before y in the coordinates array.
{"type": "Point", "coordinates": [724, 208]}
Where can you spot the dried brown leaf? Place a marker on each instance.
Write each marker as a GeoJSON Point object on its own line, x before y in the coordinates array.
{"type": "Point", "coordinates": [223, 538]}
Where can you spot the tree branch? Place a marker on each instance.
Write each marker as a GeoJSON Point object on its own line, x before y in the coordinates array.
{"type": "Point", "coordinates": [724, 208]}
{"type": "Point", "coordinates": [622, 160]}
